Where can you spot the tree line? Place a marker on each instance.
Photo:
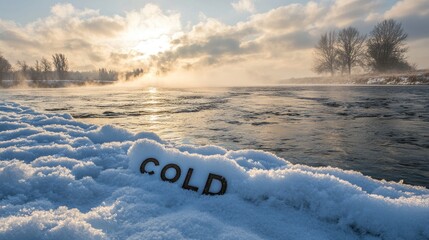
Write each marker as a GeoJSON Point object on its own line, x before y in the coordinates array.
{"type": "Point", "coordinates": [44, 71]}
{"type": "Point", "coordinates": [382, 51]}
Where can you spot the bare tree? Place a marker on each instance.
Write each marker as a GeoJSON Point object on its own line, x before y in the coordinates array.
{"type": "Point", "coordinates": [46, 68]}
{"type": "Point", "coordinates": [5, 67]}
{"type": "Point", "coordinates": [23, 66]}
{"type": "Point", "coordinates": [133, 74]}
{"type": "Point", "coordinates": [326, 54]}
{"type": "Point", "coordinates": [36, 73]}
{"type": "Point", "coordinates": [107, 75]}
{"type": "Point", "coordinates": [351, 48]}
{"type": "Point", "coordinates": [24, 71]}
{"type": "Point", "coordinates": [61, 65]}
{"type": "Point", "coordinates": [386, 47]}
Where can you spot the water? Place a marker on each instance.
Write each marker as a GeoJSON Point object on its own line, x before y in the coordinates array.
{"type": "Point", "coordinates": [381, 131]}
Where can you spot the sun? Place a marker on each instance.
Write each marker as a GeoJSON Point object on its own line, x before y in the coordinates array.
{"type": "Point", "coordinates": [145, 41]}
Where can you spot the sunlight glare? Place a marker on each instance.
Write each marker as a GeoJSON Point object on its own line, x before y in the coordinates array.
{"type": "Point", "coordinates": [152, 90]}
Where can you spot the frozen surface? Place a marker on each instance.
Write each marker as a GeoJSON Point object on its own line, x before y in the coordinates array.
{"type": "Point", "coordinates": [63, 179]}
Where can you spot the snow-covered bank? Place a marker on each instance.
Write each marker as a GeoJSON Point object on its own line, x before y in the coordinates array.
{"type": "Point", "coordinates": [418, 77]}
{"type": "Point", "coordinates": [63, 179]}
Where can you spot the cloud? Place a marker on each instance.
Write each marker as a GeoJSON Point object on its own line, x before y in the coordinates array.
{"type": "Point", "coordinates": [407, 8]}
{"type": "Point", "coordinates": [346, 12]}
{"type": "Point", "coordinates": [267, 37]}
{"type": "Point", "coordinates": [88, 38]}
{"type": "Point", "coordinates": [267, 46]}
{"type": "Point", "coordinates": [244, 6]}
{"type": "Point", "coordinates": [278, 41]}
{"type": "Point", "coordinates": [288, 18]}
{"type": "Point", "coordinates": [17, 39]}
{"type": "Point", "coordinates": [414, 16]}
{"type": "Point", "coordinates": [63, 10]}
{"type": "Point", "coordinates": [102, 26]}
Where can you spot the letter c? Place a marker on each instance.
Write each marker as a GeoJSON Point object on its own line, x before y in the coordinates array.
{"type": "Point", "coordinates": [143, 165]}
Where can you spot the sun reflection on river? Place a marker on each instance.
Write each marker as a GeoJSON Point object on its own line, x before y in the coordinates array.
{"type": "Point", "coordinates": [152, 90]}
{"type": "Point", "coordinates": [151, 105]}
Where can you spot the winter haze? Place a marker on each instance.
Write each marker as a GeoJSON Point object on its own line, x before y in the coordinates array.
{"type": "Point", "coordinates": [245, 41]}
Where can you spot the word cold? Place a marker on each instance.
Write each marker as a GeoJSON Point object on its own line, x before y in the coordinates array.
{"type": "Point", "coordinates": [185, 185]}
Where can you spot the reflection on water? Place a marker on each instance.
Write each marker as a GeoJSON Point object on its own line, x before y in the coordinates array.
{"type": "Point", "coordinates": [381, 131]}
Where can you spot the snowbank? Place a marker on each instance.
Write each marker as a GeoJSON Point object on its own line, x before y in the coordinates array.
{"type": "Point", "coordinates": [62, 179]}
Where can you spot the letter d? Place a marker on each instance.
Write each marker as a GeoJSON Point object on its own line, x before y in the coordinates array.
{"type": "Point", "coordinates": [221, 179]}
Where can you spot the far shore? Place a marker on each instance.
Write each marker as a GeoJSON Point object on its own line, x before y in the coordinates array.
{"type": "Point", "coordinates": [417, 77]}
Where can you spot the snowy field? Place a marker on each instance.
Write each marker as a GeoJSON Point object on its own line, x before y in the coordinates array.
{"type": "Point", "coordinates": [63, 179]}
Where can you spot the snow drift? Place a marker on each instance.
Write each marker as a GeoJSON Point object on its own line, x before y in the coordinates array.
{"type": "Point", "coordinates": [63, 179]}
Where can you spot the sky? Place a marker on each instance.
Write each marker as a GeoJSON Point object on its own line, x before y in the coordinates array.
{"type": "Point", "coordinates": [194, 42]}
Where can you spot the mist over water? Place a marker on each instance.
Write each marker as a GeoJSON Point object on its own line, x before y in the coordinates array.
{"type": "Point", "coordinates": [380, 131]}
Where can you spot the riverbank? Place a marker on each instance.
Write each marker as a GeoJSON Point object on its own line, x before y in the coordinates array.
{"type": "Point", "coordinates": [64, 179]}
{"type": "Point", "coordinates": [420, 77]}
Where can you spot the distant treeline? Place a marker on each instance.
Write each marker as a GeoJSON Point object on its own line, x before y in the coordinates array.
{"type": "Point", "coordinates": [382, 51]}
{"type": "Point", "coordinates": [45, 73]}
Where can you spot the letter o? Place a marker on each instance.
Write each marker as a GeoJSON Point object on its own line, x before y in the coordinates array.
{"type": "Point", "coordinates": [164, 171]}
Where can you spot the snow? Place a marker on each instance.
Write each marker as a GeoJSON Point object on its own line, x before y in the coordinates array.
{"type": "Point", "coordinates": [63, 179]}
{"type": "Point", "coordinates": [376, 81]}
